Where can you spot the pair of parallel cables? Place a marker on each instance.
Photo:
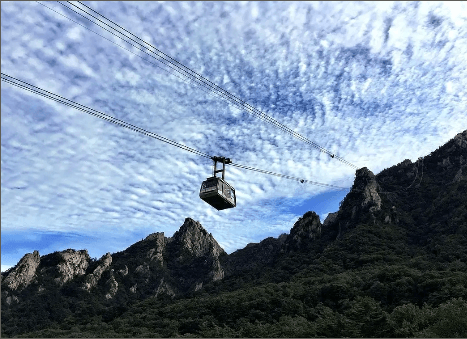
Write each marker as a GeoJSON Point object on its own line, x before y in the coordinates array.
{"type": "Point", "coordinates": [28, 87]}
{"type": "Point", "coordinates": [49, 95]}
{"type": "Point", "coordinates": [175, 66]}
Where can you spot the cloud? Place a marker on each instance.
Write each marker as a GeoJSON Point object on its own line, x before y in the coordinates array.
{"type": "Point", "coordinates": [375, 83]}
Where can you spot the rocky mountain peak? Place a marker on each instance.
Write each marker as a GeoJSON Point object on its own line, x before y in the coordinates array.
{"type": "Point", "coordinates": [193, 249]}
{"type": "Point", "coordinates": [196, 240]}
{"type": "Point", "coordinates": [307, 228]}
{"type": "Point", "coordinates": [91, 280]}
{"type": "Point", "coordinates": [453, 154]}
{"type": "Point", "coordinates": [190, 226]}
{"type": "Point", "coordinates": [72, 263]}
{"type": "Point", "coordinates": [24, 272]}
{"type": "Point", "coordinates": [452, 157]}
{"type": "Point", "coordinates": [158, 237]}
{"type": "Point", "coordinates": [460, 140]}
{"type": "Point", "coordinates": [362, 201]}
{"type": "Point", "coordinates": [365, 184]}
{"type": "Point", "coordinates": [330, 219]}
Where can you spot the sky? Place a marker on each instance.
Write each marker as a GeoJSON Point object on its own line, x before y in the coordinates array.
{"type": "Point", "coordinates": [373, 82]}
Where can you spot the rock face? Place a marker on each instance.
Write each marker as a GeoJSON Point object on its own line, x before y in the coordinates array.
{"type": "Point", "coordinates": [193, 240]}
{"type": "Point", "coordinates": [156, 265]}
{"type": "Point", "coordinates": [194, 251]}
{"type": "Point", "coordinates": [364, 204]}
{"type": "Point", "coordinates": [365, 183]}
{"type": "Point", "coordinates": [11, 299]}
{"type": "Point", "coordinates": [330, 219]}
{"type": "Point", "coordinates": [73, 263]}
{"type": "Point", "coordinates": [459, 143]}
{"type": "Point", "coordinates": [457, 151]}
{"type": "Point", "coordinates": [460, 176]}
{"type": "Point", "coordinates": [164, 288]}
{"type": "Point", "coordinates": [254, 255]}
{"type": "Point", "coordinates": [112, 286]}
{"type": "Point", "coordinates": [361, 204]}
{"type": "Point", "coordinates": [257, 256]}
{"type": "Point", "coordinates": [159, 241]}
{"type": "Point", "coordinates": [124, 271]}
{"type": "Point", "coordinates": [305, 230]}
{"type": "Point", "coordinates": [24, 272]}
{"type": "Point", "coordinates": [93, 278]}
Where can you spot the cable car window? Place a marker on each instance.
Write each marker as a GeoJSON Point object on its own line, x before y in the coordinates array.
{"type": "Point", "coordinates": [209, 184]}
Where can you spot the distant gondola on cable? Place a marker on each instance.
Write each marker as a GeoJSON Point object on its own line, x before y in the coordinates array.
{"type": "Point", "coordinates": [216, 191]}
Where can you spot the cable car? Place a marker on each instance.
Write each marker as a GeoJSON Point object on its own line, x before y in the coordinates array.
{"type": "Point", "coordinates": [216, 191]}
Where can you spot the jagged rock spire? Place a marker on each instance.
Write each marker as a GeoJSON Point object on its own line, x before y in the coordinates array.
{"type": "Point", "coordinates": [362, 201]}
{"type": "Point", "coordinates": [72, 264]}
{"type": "Point", "coordinates": [24, 272]}
{"type": "Point", "coordinates": [93, 278]}
{"type": "Point", "coordinates": [196, 240]}
{"type": "Point", "coordinates": [307, 228]}
{"type": "Point", "coordinates": [366, 186]}
{"type": "Point", "coordinates": [192, 241]}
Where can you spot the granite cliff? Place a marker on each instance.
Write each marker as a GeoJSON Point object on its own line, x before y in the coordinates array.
{"type": "Point", "coordinates": [156, 265]}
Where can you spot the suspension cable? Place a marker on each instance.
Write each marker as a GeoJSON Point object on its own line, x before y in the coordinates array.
{"type": "Point", "coordinates": [193, 76]}
{"type": "Point", "coordinates": [49, 95]}
{"type": "Point", "coordinates": [70, 103]}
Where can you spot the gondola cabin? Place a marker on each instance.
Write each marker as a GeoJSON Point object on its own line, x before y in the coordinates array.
{"type": "Point", "coordinates": [216, 191]}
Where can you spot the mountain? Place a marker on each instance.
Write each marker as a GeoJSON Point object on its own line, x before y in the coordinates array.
{"type": "Point", "coordinates": [153, 266]}
{"type": "Point", "coordinates": [392, 261]}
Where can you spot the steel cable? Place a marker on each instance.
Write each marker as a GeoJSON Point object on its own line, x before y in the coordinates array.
{"type": "Point", "coordinates": [70, 103]}
{"type": "Point", "coordinates": [197, 78]}
{"type": "Point", "coordinates": [199, 85]}
{"type": "Point", "coordinates": [31, 88]}
{"type": "Point", "coordinates": [191, 75]}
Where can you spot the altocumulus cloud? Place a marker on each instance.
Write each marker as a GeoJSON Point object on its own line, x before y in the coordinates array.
{"type": "Point", "coordinates": [375, 83]}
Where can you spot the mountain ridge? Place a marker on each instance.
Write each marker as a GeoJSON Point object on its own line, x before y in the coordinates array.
{"type": "Point", "coordinates": [414, 212]}
{"type": "Point", "coordinates": [362, 203]}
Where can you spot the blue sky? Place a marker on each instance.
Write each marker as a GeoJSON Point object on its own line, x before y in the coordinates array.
{"type": "Point", "coordinates": [374, 82]}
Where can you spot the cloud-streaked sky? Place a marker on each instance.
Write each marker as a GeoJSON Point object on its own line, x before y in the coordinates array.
{"type": "Point", "coordinates": [373, 82]}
